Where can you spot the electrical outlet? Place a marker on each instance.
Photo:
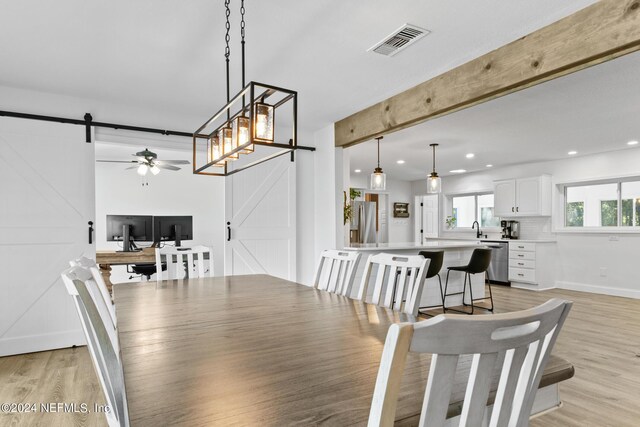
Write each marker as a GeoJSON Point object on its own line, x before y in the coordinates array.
{"type": "Point", "coordinates": [613, 238]}
{"type": "Point", "coordinates": [603, 271]}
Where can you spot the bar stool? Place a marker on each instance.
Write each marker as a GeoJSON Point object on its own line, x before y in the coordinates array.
{"type": "Point", "coordinates": [479, 263]}
{"type": "Point", "coordinates": [435, 265]}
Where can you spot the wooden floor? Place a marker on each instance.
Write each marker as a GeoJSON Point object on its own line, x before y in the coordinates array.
{"type": "Point", "coordinates": [601, 338]}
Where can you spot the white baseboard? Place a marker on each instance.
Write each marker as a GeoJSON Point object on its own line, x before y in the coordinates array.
{"type": "Point", "coordinates": [529, 286]}
{"type": "Point", "coordinates": [594, 289]}
{"type": "Point", "coordinates": [34, 343]}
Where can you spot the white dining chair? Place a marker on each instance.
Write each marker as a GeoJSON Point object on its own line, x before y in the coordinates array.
{"type": "Point", "coordinates": [177, 258]}
{"type": "Point", "coordinates": [105, 357]}
{"type": "Point", "coordinates": [519, 343]}
{"type": "Point", "coordinates": [336, 271]}
{"type": "Point", "coordinates": [91, 265]}
{"type": "Point", "coordinates": [402, 289]}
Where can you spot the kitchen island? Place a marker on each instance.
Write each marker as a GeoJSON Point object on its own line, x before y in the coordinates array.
{"type": "Point", "coordinates": [456, 252]}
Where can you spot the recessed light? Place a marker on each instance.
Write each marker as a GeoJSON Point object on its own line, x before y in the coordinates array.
{"type": "Point", "coordinates": [470, 155]}
{"type": "Point", "coordinates": [632, 143]}
{"type": "Point", "coordinates": [458, 171]}
{"type": "Point", "coordinates": [572, 153]}
{"type": "Point", "coordinates": [400, 162]}
{"type": "Point", "coordinates": [357, 171]}
{"type": "Point", "coordinates": [489, 166]}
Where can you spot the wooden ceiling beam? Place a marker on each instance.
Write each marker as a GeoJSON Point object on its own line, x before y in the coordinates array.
{"type": "Point", "coordinates": [603, 31]}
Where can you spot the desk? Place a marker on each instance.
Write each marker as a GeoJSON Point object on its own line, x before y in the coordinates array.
{"type": "Point", "coordinates": [258, 350]}
{"type": "Point", "coordinates": [105, 259]}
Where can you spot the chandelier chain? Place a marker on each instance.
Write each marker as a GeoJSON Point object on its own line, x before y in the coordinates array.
{"type": "Point", "coordinates": [242, 23]}
{"type": "Point", "coordinates": [227, 37]}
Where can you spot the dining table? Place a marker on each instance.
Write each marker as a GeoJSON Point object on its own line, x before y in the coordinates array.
{"type": "Point", "coordinates": [257, 350]}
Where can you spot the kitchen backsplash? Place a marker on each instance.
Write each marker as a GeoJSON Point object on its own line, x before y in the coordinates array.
{"type": "Point", "coordinates": [532, 228]}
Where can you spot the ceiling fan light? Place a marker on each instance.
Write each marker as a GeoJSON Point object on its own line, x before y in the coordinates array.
{"type": "Point", "coordinates": [154, 170]}
{"type": "Point", "coordinates": [143, 169]}
{"type": "Point", "coordinates": [263, 122]}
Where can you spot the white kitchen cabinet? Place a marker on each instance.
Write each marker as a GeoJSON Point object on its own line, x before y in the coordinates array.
{"type": "Point", "coordinates": [531, 265]}
{"type": "Point", "coordinates": [504, 196]}
{"type": "Point", "coordinates": [523, 197]}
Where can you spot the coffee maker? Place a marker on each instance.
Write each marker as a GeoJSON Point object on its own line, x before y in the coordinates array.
{"type": "Point", "coordinates": [510, 229]}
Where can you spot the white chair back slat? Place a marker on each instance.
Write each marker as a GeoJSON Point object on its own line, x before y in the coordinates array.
{"type": "Point", "coordinates": [520, 343]}
{"type": "Point", "coordinates": [478, 387]}
{"type": "Point", "coordinates": [181, 263]}
{"type": "Point", "coordinates": [402, 289]}
{"type": "Point", "coordinates": [91, 265]}
{"type": "Point", "coordinates": [509, 377]}
{"type": "Point", "coordinates": [336, 271]}
{"type": "Point", "coordinates": [439, 385]}
{"type": "Point", "coordinates": [105, 357]}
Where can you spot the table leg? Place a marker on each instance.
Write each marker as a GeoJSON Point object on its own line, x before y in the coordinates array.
{"type": "Point", "coordinates": [105, 270]}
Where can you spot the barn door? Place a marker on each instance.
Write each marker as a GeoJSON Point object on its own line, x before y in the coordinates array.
{"type": "Point", "coordinates": [260, 212]}
{"type": "Point", "coordinates": [47, 192]}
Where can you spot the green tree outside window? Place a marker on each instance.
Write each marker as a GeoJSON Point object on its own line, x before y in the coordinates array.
{"type": "Point", "coordinates": [608, 213]}
{"type": "Point", "coordinates": [575, 214]}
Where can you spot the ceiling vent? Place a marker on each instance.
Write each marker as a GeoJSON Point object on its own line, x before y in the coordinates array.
{"type": "Point", "coordinates": [399, 40]}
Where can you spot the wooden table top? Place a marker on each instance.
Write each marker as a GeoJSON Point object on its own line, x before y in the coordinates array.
{"type": "Point", "coordinates": [258, 350]}
{"type": "Point", "coordinates": [147, 255]}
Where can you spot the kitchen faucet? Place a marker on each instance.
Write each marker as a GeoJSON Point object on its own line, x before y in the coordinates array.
{"type": "Point", "coordinates": [473, 226]}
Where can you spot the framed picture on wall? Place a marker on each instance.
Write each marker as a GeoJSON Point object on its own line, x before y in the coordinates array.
{"type": "Point", "coordinates": [401, 210]}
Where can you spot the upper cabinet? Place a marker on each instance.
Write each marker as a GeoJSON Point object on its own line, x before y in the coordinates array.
{"type": "Point", "coordinates": [523, 197]}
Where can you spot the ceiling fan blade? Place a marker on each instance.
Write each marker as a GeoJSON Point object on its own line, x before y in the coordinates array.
{"type": "Point", "coordinates": [132, 167]}
{"type": "Point", "coordinates": [116, 161]}
{"type": "Point", "coordinates": [173, 162]}
{"type": "Point", "coordinates": [168, 167]}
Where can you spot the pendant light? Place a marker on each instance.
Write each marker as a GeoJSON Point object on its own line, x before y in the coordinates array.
{"type": "Point", "coordinates": [378, 177]}
{"type": "Point", "coordinates": [434, 182]}
{"type": "Point", "coordinates": [249, 121]}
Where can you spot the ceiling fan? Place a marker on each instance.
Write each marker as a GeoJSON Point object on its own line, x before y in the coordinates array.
{"type": "Point", "coordinates": [148, 161]}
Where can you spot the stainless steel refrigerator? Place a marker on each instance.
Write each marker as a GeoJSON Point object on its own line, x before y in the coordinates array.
{"type": "Point", "coordinates": [363, 224]}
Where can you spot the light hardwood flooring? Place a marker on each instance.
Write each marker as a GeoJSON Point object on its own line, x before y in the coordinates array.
{"type": "Point", "coordinates": [601, 338]}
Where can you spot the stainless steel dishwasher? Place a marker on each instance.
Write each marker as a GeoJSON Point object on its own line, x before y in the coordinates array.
{"type": "Point", "coordinates": [499, 267]}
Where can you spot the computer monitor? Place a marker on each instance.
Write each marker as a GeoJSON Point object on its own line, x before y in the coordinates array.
{"type": "Point", "coordinates": [129, 228]}
{"type": "Point", "coordinates": [176, 228]}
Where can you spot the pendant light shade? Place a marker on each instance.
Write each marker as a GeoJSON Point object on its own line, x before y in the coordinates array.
{"type": "Point", "coordinates": [240, 133]}
{"type": "Point", "coordinates": [225, 136]}
{"type": "Point", "coordinates": [263, 127]}
{"type": "Point", "coordinates": [378, 177]}
{"type": "Point", "coordinates": [434, 182]}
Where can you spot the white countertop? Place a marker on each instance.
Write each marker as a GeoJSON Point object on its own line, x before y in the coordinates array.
{"type": "Point", "coordinates": [473, 239]}
{"type": "Point", "coordinates": [435, 244]}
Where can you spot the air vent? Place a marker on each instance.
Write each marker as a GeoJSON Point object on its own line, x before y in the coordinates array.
{"type": "Point", "coordinates": [399, 40]}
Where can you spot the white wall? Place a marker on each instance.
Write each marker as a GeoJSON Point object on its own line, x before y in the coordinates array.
{"type": "Point", "coordinates": [597, 262]}
{"type": "Point", "coordinates": [120, 192]}
{"type": "Point", "coordinates": [328, 186]}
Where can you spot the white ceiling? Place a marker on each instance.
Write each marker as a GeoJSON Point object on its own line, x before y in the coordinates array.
{"type": "Point", "coordinates": [591, 111]}
{"type": "Point", "coordinates": [167, 56]}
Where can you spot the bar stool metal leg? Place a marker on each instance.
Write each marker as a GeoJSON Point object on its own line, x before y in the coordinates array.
{"type": "Point", "coordinates": [434, 306]}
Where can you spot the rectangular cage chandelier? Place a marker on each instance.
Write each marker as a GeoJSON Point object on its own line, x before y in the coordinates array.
{"type": "Point", "coordinates": [239, 127]}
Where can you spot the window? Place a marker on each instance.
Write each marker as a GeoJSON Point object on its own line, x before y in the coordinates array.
{"type": "Point", "coordinates": [611, 204]}
{"type": "Point", "coordinates": [474, 207]}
